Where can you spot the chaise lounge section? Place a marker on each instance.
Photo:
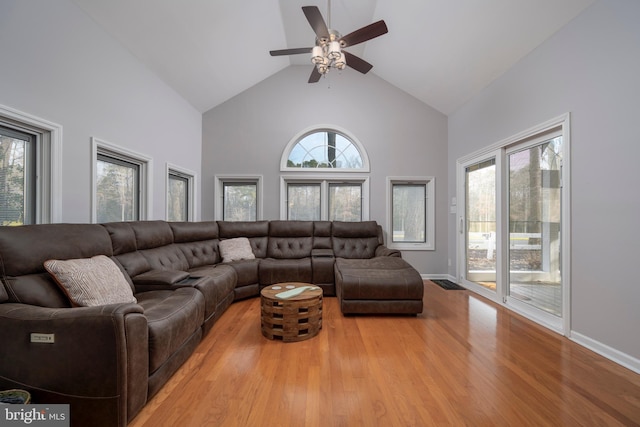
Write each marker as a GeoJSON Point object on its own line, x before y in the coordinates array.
{"type": "Point", "coordinates": [369, 277]}
{"type": "Point", "coordinates": [107, 361]}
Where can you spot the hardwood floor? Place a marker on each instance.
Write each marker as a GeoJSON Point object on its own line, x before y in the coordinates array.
{"type": "Point", "coordinates": [463, 361]}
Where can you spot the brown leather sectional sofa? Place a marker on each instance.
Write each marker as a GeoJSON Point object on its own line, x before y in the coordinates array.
{"type": "Point", "coordinates": [108, 361]}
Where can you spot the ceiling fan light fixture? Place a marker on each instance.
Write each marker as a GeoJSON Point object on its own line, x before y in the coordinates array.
{"type": "Point", "coordinates": [323, 67]}
{"type": "Point", "coordinates": [341, 62]}
{"type": "Point", "coordinates": [317, 55]}
{"type": "Point", "coordinates": [334, 50]}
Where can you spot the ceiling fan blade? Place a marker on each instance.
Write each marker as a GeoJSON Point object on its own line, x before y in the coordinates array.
{"type": "Point", "coordinates": [297, 51]}
{"type": "Point", "coordinates": [316, 21]}
{"type": "Point", "coordinates": [365, 33]}
{"type": "Point", "coordinates": [315, 75]}
{"type": "Point", "coordinates": [357, 63]}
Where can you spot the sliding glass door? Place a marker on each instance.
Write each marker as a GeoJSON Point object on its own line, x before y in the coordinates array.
{"type": "Point", "coordinates": [535, 225]}
{"type": "Point", "coordinates": [512, 223]}
{"type": "Point", "coordinates": [480, 230]}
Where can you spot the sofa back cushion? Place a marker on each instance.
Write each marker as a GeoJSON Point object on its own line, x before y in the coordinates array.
{"type": "Point", "coordinates": [35, 289]}
{"type": "Point", "coordinates": [24, 249]}
{"type": "Point", "coordinates": [151, 234]}
{"type": "Point", "coordinates": [355, 239]}
{"type": "Point", "coordinates": [168, 257]}
{"type": "Point", "coordinates": [322, 235]}
{"type": "Point", "coordinates": [200, 253]}
{"type": "Point", "coordinates": [256, 231]}
{"type": "Point", "coordinates": [133, 263]}
{"type": "Point", "coordinates": [198, 241]}
{"type": "Point", "coordinates": [123, 238]}
{"type": "Point", "coordinates": [141, 246]}
{"type": "Point", "coordinates": [194, 231]}
{"type": "Point", "coordinates": [290, 239]}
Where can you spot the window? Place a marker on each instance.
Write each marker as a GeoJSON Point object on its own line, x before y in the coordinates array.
{"type": "Point", "coordinates": [17, 177]}
{"type": "Point", "coordinates": [30, 169]}
{"type": "Point", "coordinates": [303, 201]}
{"type": "Point", "coordinates": [180, 194]}
{"type": "Point", "coordinates": [324, 199]}
{"type": "Point", "coordinates": [324, 148]}
{"type": "Point", "coordinates": [412, 209]}
{"type": "Point", "coordinates": [316, 191]}
{"type": "Point", "coordinates": [345, 202]}
{"type": "Point", "coordinates": [120, 185]}
{"type": "Point", "coordinates": [239, 198]}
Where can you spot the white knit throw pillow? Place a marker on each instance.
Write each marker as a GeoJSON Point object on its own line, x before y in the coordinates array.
{"type": "Point", "coordinates": [235, 249]}
{"type": "Point", "coordinates": [91, 281]}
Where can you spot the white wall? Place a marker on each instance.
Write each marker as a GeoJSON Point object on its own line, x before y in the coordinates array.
{"type": "Point", "coordinates": [590, 68]}
{"type": "Point", "coordinates": [58, 65]}
{"type": "Point", "coordinates": [402, 136]}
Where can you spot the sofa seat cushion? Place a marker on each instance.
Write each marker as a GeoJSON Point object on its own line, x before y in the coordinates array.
{"type": "Point", "coordinates": [381, 278]}
{"type": "Point", "coordinates": [285, 270]}
{"type": "Point", "coordinates": [173, 316]}
{"type": "Point", "coordinates": [246, 271]}
{"type": "Point", "coordinates": [215, 282]}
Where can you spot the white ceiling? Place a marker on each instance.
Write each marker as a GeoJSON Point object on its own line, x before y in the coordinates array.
{"type": "Point", "coordinates": [440, 51]}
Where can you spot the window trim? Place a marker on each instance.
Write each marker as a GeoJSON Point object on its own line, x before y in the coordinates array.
{"type": "Point", "coordinates": [324, 128]}
{"type": "Point", "coordinates": [145, 163]}
{"type": "Point", "coordinates": [192, 181]}
{"type": "Point", "coordinates": [220, 180]}
{"type": "Point", "coordinates": [324, 180]}
{"type": "Point", "coordinates": [430, 210]}
{"type": "Point", "coordinates": [49, 161]}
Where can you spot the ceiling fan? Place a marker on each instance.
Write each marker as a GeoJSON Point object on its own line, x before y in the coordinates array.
{"type": "Point", "coordinates": [328, 50]}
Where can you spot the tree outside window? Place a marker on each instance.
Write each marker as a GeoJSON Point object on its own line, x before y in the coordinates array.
{"type": "Point", "coordinates": [240, 201]}
{"type": "Point", "coordinates": [177, 197]}
{"type": "Point", "coordinates": [117, 190]}
{"type": "Point", "coordinates": [17, 178]}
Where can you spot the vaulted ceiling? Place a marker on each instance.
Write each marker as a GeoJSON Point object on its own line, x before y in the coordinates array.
{"type": "Point", "coordinates": [440, 51]}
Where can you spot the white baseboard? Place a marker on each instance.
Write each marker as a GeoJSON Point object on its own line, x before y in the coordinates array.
{"type": "Point", "coordinates": [610, 353]}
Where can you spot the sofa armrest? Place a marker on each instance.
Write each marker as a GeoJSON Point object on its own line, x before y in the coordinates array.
{"type": "Point", "coordinates": [382, 250]}
{"type": "Point", "coordinates": [322, 253]}
{"type": "Point", "coordinates": [160, 277]}
{"type": "Point", "coordinates": [81, 356]}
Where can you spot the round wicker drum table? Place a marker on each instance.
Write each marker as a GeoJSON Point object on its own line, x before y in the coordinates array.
{"type": "Point", "coordinates": [291, 311]}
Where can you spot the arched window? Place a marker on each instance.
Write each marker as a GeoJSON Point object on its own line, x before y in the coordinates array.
{"type": "Point", "coordinates": [324, 148]}
{"type": "Point", "coordinates": [328, 177]}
